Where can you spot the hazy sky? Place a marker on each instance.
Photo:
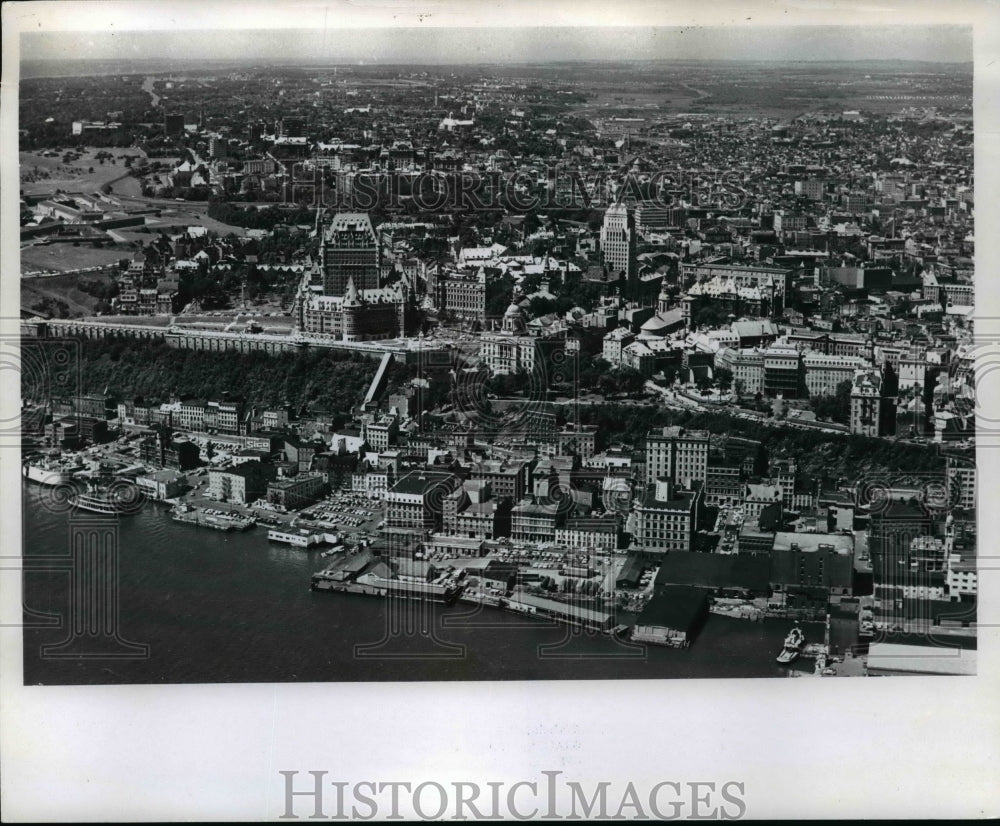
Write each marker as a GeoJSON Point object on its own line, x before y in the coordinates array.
{"type": "Point", "coordinates": [334, 42]}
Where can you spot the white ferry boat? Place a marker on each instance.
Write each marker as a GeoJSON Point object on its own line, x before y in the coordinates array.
{"type": "Point", "coordinates": [108, 500]}
{"type": "Point", "coordinates": [50, 472]}
{"type": "Point", "coordinates": [794, 643]}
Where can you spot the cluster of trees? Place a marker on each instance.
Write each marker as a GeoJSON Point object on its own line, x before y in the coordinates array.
{"type": "Point", "coordinates": [498, 294]}
{"type": "Point", "coordinates": [201, 192]}
{"type": "Point", "coordinates": [596, 375]}
{"type": "Point", "coordinates": [46, 135]}
{"type": "Point", "coordinates": [266, 218]}
{"type": "Point", "coordinates": [837, 407]}
{"type": "Point", "coordinates": [327, 379]}
{"type": "Point", "coordinates": [579, 293]}
{"type": "Point", "coordinates": [507, 384]}
{"type": "Point", "coordinates": [211, 290]}
{"type": "Point", "coordinates": [709, 315]}
{"type": "Point", "coordinates": [103, 291]}
{"type": "Point", "coordinates": [48, 107]}
{"type": "Point", "coordinates": [569, 292]}
{"type": "Point", "coordinates": [277, 248]}
{"type": "Point", "coordinates": [591, 375]}
{"type": "Point", "coordinates": [214, 290]}
{"type": "Point", "coordinates": [723, 379]}
{"type": "Point", "coordinates": [622, 382]}
{"type": "Point", "coordinates": [52, 307]}
{"type": "Point", "coordinates": [429, 245]}
{"type": "Point", "coordinates": [816, 453]}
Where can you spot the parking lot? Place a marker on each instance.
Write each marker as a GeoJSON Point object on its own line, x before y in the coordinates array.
{"type": "Point", "coordinates": [349, 512]}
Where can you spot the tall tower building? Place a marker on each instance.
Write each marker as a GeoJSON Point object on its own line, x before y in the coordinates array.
{"type": "Point", "coordinates": [663, 301]}
{"type": "Point", "coordinates": [291, 127]}
{"type": "Point", "coordinates": [618, 240]}
{"type": "Point", "coordinates": [866, 403]}
{"type": "Point", "coordinates": [349, 252]}
{"type": "Point", "coordinates": [352, 308]}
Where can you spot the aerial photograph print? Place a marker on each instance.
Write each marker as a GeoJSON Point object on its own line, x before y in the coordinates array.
{"type": "Point", "coordinates": [496, 354]}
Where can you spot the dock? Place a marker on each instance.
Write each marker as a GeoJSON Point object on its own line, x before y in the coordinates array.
{"type": "Point", "coordinates": [207, 520]}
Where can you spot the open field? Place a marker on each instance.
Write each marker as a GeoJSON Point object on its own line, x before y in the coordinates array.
{"type": "Point", "coordinates": [173, 220]}
{"type": "Point", "coordinates": [652, 96]}
{"type": "Point", "coordinates": [43, 293]}
{"type": "Point", "coordinates": [755, 90]}
{"type": "Point", "coordinates": [41, 175]}
{"type": "Point", "coordinates": [64, 256]}
{"type": "Point", "coordinates": [129, 187]}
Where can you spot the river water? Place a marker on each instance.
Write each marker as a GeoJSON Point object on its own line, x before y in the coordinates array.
{"type": "Point", "coordinates": [234, 607]}
{"type": "Point", "coordinates": [147, 86]}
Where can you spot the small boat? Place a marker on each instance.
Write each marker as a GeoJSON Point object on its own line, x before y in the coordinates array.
{"type": "Point", "coordinates": [794, 643]}
{"type": "Point", "coordinates": [814, 650]}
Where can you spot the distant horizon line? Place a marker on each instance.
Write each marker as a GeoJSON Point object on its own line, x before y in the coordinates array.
{"type": "Point", "coordinates": [597, 60]}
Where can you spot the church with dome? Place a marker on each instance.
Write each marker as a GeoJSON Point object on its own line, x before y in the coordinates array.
{"type": "Point", "coordinates": [664, 321]}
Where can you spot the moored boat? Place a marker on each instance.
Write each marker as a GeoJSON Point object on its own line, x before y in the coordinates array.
{"type": "Point", "coordinates": [115, 500]}
{"type": "Point", "coordinates": [794, 643]}
{"type": "Point", "coordinates": [50, 473]}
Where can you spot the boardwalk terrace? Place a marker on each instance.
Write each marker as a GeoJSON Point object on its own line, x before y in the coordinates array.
{"type": "Point", "coordinates": [410, 350]}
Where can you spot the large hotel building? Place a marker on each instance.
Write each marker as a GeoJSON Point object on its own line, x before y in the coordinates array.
{"type": "Point", "coordinates": [341, 297]}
